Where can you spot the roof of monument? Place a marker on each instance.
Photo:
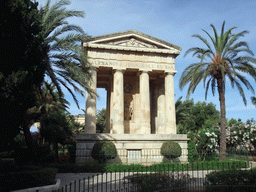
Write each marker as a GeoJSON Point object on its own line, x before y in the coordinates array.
{"type": "Point", "coordinates": [155, 42]}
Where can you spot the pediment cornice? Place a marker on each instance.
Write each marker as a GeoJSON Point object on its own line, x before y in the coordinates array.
{"type": "Point", "coordinates": [132, 40]}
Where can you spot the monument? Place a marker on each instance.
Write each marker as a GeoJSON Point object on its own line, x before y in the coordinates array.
{"type": "Point", "coordinates": [137, 71]}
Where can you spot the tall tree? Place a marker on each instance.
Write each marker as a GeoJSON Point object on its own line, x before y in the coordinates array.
{"type": "Point", "coordinates": [47, 100]}
{"type": "Point", "coordinates": [55, 128]}
{"type": "Point", "coordinates": [101, 121]}
{"type": "Point", "coordinates": [23, 64]}
{"type": "Point", "coordinates": [67, 64]}
{"type": "Point", "coordinates": [183, 110]}
{"type": "Point", "coordinates": [192, 117]}
{"type": "Point", "coordinates": [216, 63]}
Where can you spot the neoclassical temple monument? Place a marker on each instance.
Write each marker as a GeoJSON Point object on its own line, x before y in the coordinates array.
{"type": "Point", "coordinates": [137, 71]}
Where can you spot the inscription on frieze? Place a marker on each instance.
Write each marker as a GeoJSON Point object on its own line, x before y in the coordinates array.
{"type": "Point", "coordinates": [109, 63]}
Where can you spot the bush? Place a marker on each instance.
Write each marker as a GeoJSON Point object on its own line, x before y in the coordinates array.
{"type": "Point", "coordinates": [46, 154]}
{"type": "Point", "coordinates": [27, 177]}
{"type": "Point", "coordinates": [157, 182]}
{"type": "Point", "coordinates": [226, 180]}
{"type": "Point", "coordinates": [103, 151]}
{"type": "Point", "coordinates": [170, 149]}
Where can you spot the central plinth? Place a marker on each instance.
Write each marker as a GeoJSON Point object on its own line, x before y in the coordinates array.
{"type": "Point", "coordinates": [131, 148]}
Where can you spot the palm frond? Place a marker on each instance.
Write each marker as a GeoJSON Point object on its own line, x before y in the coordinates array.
{"type": "Point", "coordinates": [68, 66]}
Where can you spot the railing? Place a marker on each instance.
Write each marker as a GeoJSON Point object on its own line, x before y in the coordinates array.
{"type": "Point", "coordinates": [170, 177]}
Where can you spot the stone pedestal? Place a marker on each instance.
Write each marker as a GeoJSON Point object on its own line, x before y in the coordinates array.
{"type": "Point", "coordinates": [134, 148]}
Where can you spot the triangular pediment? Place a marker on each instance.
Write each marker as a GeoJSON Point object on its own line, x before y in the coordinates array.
{"type": "Point", "coordinates": [132, 40]}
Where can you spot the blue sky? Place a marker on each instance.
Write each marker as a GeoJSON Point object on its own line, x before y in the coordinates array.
{"type": "Point", "coordinates": [174, 21]}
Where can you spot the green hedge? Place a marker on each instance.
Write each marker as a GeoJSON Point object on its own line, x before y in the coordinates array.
{"type": "Point", "coordinates": [214, 165]}
{"type": "Point", "coordinates": [96, 167]}
{"type": "Point", "coordinates": [27, 177]}
{"type": "Point", "coordinates": [191, 151]}
{"type": "Point", "coordinates": [238, 180]}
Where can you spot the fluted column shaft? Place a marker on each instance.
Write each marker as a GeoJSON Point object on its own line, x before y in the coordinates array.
{"type": "Point", "coordinates": [118, 103]}
{"type": "Point", "coordinates": [170, 104]}
{"type": "Point", "coordinates": [145, 103]}
{"type": "Point", "coordinates": [90, 114]}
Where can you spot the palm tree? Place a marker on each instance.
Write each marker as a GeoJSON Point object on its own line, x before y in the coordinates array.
{"type": "Point", "coordinates": [67, 64]}
{"type": "Point", "coordinates": [217, 63]}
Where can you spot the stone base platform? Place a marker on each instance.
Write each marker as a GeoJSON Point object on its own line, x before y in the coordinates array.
{"type": "Point", "coordinates": [131, 148]}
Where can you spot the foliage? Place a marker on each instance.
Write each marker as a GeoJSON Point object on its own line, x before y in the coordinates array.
{"type": "Point", "coordinates": [242, 134]}
{"type": "Point", "coordinates": [206, 142]}
{"type": "Point", "coordinates": [101, 121]}
{"type": "Point", "coordinates": [27, 177]}
{"type": "Point", "coordinates": [72, 152]}
{"type": "Point", "coordinates": [67, 64]}
{"type": "Point", "coordinates": [103, 151]}
{"type": "Point", "coordinates": [183, 110]}
{"type": "Point", "coordinates": [171, 149]}
{"type": "Point", "coordinates": [163, 167]}
{"type": "Point", "coordinates": [198, 115]}
{"type": "Point", "coordinates": [23, 56]}
{"type": "Point", "coordinates": [191, 151]}
{"type": "Point", "coordinates": [226, 180]}
{"type": "Point", "coordinates": [157, 181]}
{"type": "Point", "coordinates": [20, 140]}
{"type": "Point", "coordinates": [216, 63]}
{"type": "Point", "coordinates": [75, 126]}
{"type": "Point", "coordinates": [253, 100]}
{"type": "Point", "coordinates": [54, 127]}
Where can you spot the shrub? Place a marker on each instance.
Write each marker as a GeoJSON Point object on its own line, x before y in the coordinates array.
{"type": "Point", "coordinates": [27, 177]}
{"type": "Point", "coordinates": [103, 151]}
{"type": "Point", "coordinates": [157, 181]}
{"type": "Point", "coordinates": [170, 149]}
{"type": "Point", "coordinates": [46, 154]}
{"type": "Point", "coordinates": [226, 180]}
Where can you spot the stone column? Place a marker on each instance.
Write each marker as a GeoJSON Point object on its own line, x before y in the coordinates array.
{"type": "Point", "coordinates": [170, 121]}
{"type": "Point", "coordinates": [108, 109]}
{"type": "Point", "coordinates": [118, 103]}
{"type": "Point", "coordinates": [145, 103]}
{"type": "Point", "coordinates": [90, 115]}
{"type": "Point", "coordinates": [161, 128]}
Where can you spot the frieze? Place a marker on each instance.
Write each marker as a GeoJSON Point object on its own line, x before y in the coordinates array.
{"type": "Point", "coordinates": [116, 64]}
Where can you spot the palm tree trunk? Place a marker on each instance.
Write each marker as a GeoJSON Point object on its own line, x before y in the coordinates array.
{"type": "Point", "coordinates": [223, 147]}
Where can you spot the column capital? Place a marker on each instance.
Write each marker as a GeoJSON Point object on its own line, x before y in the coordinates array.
{"type": "Point", "coordinates": [142, 71]}
{"type": "Point", "coordinates": [120, 70]}
{"type": "Point", "coordinates": [170, 73]}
